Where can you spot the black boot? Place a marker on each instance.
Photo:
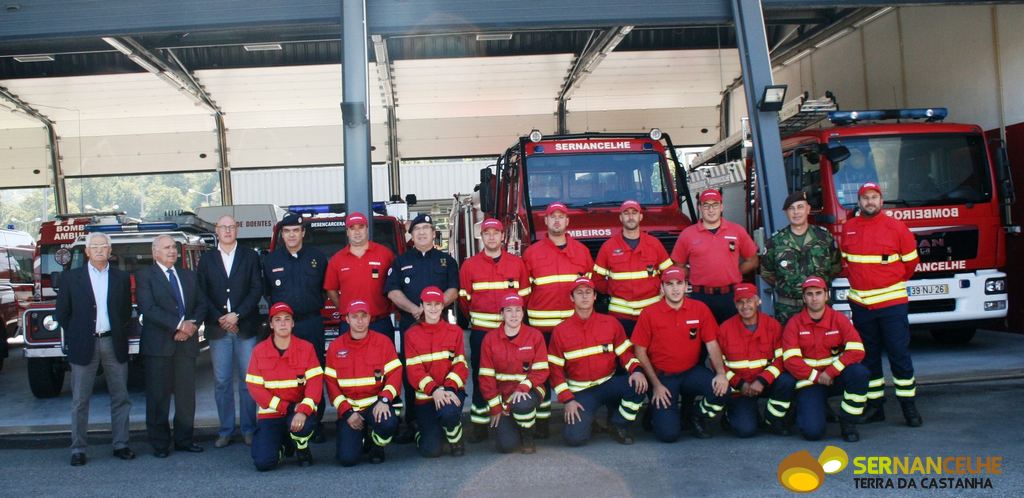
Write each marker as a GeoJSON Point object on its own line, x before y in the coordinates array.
{"type": "Point", "coordinates": [377, 454]}
{"type": "Point", "coordinates": [528, 447]}
{"type": "Point", "coordinates": [541, 429]}
{"type": "Point", "coordinates": [645, 419]}
{"type": "Point", "coordinates": [408, 435]}
{"type": "Point", "coordinates": [304, 456]}
{"type": "Point", "coordinates": [910, 412]}
{"type": "Point", "coordinates": [318, 436]}
{"type": "Point", "coordinates": [698, 424]}
{"type": "Point", "coordinates": [874, 412]}
{"type": "Point", "coordinates": [621, 435]}
{"type": "Point", "coordinates": [477, 433]}
{"type": "Point", "coordinates": [776, 425]}
{"type": "Point", "coordinates": [848, 428]}
{"type": "Point", "coordinates": [458, 448]}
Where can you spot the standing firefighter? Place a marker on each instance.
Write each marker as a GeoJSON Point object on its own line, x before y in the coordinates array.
{"type": "Point", "coordinates": [554, 263]}
{"type": "Point", "coordinates": [513, 368]}
{"type": "Point", "coordinates": [286, 382]}
{"type": "Point", "coordinates": [822, 350]}
{"type": "Point", "coordinates": [628, 268]}
{"type": "Point", "coordinates": [881, 255]}
{"type": "Point", "coordinates": [485, 280]}
{"type": "Point", "coordinates": [795, 253]}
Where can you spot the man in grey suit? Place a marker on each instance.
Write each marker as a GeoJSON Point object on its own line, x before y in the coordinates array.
{"type": "Point", "coordinates": [94, 307]}
{"type": "Point", "coordinates": [231, 279]}
{"type": "Point", "coordinates": [171, 305]}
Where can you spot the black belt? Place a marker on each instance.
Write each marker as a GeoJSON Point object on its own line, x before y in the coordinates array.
{"type": "Point", "coordinates": [712, 290]}
{"type": "Point", "coordinates": [101, 334]}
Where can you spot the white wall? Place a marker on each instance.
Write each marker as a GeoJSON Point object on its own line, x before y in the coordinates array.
{"type": "Point", "coordinates": [920, 57]}
{"type": "Point", "coordinates": [24, 151]}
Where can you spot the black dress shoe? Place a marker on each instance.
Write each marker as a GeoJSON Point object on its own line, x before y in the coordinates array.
{"type": "Point", "coordinates": [124, 453]}
{"type": "Point", "coordinates": [190, 448]}
{"type": "Point", "coordinates": [161, 453]}
{"type": "Point", "coordinates": [621, 435]}
{"type": "Point", "coordinates": [77, 459]}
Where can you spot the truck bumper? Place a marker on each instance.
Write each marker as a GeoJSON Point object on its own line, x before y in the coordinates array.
{"type": "Point", "coordinates": [961, 298]}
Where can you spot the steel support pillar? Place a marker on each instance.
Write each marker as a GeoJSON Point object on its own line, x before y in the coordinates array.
{"type": "Point", "coordinates": [59, 189]}
{"type": "Point", "coordinates": [764, 126]}
{"type": "Point", "coordinates": [355, 108]}
{"type": "Point", "coordinates": [223, 168]}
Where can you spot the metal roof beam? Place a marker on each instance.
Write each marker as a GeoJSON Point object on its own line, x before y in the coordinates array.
{"type": "Point", "coordinates": [172, 72]}
{"type": "Point", "coordinates": [590, 57]}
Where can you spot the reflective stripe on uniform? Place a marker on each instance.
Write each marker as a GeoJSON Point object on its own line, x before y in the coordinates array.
{"type": "Point", "coordinates": [875, 296]}
{"type": "Point", "coordinates": [426, 358]}
{"type": "Point", "coordinates": [592, 350]}
{"type": "Point", "coordinates": [577, 386]}
{"type": "Point", "coordinates": [631, 307]}
{"type": "Point", "coordinates": [873, 259]}
{"type": "Point", "coordinates": [254, 379]}
{"type": "Point", "coordinates": [502, 285]}
{"type": "Point", "coordinates": [745, 364]}
{"type": "Point", "coordinates": [567, 278]}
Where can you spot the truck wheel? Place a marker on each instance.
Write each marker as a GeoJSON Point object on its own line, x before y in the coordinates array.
{"type": "Point", "coordinates": [45, 377]}
{"type": "Point", "coordinates": [954, 337]}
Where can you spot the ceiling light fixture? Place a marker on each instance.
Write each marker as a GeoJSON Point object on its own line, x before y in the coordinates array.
{"type": "Point", "coordinates": [494, 37]}
{"type": "Point", "coordinates": [262, 47]}
{"type": "Point", "coordinates": [34, 58]}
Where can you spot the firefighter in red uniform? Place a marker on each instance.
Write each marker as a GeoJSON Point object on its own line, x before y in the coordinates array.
{"type": "Point", "coordinates": [364, 379]}
{"type": "Point", "coordinates": [629, 266]}
{"type": "Point", "coordinates": [286, 382]}
{"type": "Point", "coordinates": [582, 357]}
{"type": "Point", "coordinates": [484, 280]}
{"type": "Point", "coordinates": [751, 344]}
{"type": "Point", "coordinates": [718, 253]}
{"type": "Point", "coordinates": [435, 362]}
{"type": "Point", "coordinates": [513, 368]}
{"type": "Point", "coordinates": [668, 340]}
{"type": "Point", "coordinates": [822, 350]}
{"type": "Point", "coordinates": [357, 273]}
{"type": "Point", "coordinates": [881, 256]}
{"type": "Point", "coordinates": [554, 263]}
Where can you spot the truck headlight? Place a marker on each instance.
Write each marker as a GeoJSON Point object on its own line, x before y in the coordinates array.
{"type": "Point", "coordinates": [995, 285]}
{"type": "Point", "coordinates": [49, 323]}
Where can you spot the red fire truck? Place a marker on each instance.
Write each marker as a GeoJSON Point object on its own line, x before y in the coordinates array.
{"type": "Point", "coordinates": [938, 178]}
{"type": "Point", "coordinates": [16, 249]}
{"type": "Point", "coordinates": [63, 232]}
{"type": "Point", "coordinates": [131, 251]}
{"type": "Point", "coordinates": [592, 174]}
{"type": "Point", "coordinates": [325, 230]}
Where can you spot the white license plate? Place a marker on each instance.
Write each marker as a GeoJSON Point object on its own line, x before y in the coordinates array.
{"type": "Point", "coordinates": [928, 290]}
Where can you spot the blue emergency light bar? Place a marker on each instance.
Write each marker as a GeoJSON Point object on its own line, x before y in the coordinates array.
{"type": "Point", "coordinates": [378, 207]}
{"type": "Point", "coordinates": [133, 227]}
{"type": "Point", "coordinates": [849, 117]}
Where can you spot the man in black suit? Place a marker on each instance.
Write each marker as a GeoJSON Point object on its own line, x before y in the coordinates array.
{"type": "Point", "coordinates": [171, 305]}
{"type": "Point", "coordinates": [232, 282]}
{"type": "Point", "coordinates": [94, 306]}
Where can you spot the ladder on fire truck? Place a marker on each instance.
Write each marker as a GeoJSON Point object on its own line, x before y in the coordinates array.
{"type": "Point", "coordinates": [710, 169]}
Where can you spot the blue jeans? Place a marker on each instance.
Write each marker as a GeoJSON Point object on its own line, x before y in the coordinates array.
{"type": "Point", "coordinates": [230, 356]}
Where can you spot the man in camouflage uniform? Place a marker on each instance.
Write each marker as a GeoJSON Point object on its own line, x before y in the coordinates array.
{"type": "Point", "coordinates": [795, 253]}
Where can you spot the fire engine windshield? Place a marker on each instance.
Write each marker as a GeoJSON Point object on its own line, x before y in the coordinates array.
{"type": "Point", "coordinates": [593, 180]}
{"type": "Point", "coordinates": [128, 257]}
{"type": "Point", "coordinates": [915, 170]}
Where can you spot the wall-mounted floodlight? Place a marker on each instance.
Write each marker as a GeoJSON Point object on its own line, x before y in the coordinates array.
{"type": "Point", "coordinates": [772, 98]}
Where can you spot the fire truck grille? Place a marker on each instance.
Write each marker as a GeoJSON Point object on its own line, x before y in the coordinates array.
{"type": "Point", "coordinates": [932, 306]}
{"type": "Point", "coordinates": [947, 245]}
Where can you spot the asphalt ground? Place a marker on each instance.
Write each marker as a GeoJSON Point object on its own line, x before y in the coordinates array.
{"type": "Point", "coordinates": [975, 419]}
{"type": "Point", "coordinates": [967, 411]}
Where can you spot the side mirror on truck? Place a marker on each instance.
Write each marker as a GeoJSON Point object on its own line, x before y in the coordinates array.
{"type": "Point", "coordinates": [486, 192]}
{"type": "Point", "coordinates": [836, 154]}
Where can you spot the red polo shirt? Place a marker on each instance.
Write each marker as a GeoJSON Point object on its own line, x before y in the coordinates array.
{"type": "Point", "coordinates": [714, 258]}
{"type": "Point", "coordinates": [673, 337]}
{"type": "Point", "coordinates": [361, 277]}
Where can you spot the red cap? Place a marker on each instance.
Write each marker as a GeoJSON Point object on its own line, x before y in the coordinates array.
{"type": "Point", "coordinates": [355, 218]}
{"type": "Point", "coordinates": [630, 204]}
{"type": "Point", "coordinates": [813, 281]}
{"type": "Point", "coordinates": [710, 195]}
{"type": "Point", "coordinates": [432, 295]}
{"type": "Point", "coordinates": [491, 224]}
{"type": "Point", "coordinates": [673, 273]}
{"type": "Point", "coordinates": [357, 306]}
{"type": "Point", "coordinates": [555, 207]}
{"type": "Point", "coordinates": [280, 307]}
{"type": "Point", "coordinates": [744, 291]}
{"type": "Point", "coordinates": [868, 187]}
{"type": "Point", "coordinates": [512, 300]}
{"type": "Point", "coordinates": [582, 281]}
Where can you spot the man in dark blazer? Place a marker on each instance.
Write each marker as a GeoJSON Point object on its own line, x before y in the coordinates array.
{"type": "Point", "coordinates": [172, 306]}
{"type": "Point", "coordinates": [94, 307]}
{"type": "Point", "coordinates": [231, 279]}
